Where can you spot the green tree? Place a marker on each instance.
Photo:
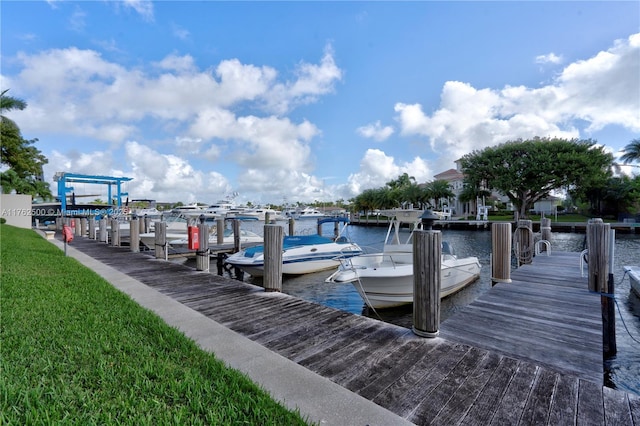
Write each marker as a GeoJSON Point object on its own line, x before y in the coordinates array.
{"type": "Point", "coordinates": [615, 197]}
{"type": "Point", "coordinates": [24, 161]}
{"type": "Point", "coordinates": [528, 170]}
{"type": "Point", "coordinates": [470, 194]}
{"type": "Point", "coordinates": [402, 181]}
{"type": "Point", "coordinates": [631, 152]}
{"type": "Point", "coordinates": [414, 194]}
{"type": "Point", "coordinates": [438, 190]}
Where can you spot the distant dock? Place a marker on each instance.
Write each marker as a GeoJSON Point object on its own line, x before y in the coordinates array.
{"type": "Point", "coordinates": [463, 224]}
{"type": "Point", "coordinates": [527, 352]}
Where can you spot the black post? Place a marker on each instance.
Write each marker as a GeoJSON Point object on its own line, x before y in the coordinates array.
{"type": "Point", "coordinates": [428, 217]}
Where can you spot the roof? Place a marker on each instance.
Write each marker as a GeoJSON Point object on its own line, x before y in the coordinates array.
{"type": "Point", "coordinates": [451, 174]}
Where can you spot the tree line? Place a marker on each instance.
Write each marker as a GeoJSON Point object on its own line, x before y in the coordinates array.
{"type": "Point", "coordinates": [526, 171]}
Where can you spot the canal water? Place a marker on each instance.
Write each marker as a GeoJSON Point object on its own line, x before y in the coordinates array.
{"type": "Point", "coordinates": [621, 372]}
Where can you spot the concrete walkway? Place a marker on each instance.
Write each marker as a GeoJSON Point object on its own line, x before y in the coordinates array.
{"type": "Point", "coordinates": [318, 399]}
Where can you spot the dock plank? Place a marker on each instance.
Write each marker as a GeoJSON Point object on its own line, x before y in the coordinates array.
{"type": "Point", "coordinates": [523, 353]}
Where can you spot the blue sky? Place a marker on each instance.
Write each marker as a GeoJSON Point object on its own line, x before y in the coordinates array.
{"type": "Point", "coordinates": [305, 101]}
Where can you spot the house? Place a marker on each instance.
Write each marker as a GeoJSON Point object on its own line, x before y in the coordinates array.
{"type": "Point", "coordinates": [456, 182]}
{"type": "Point", "coordinates": [546, 206]}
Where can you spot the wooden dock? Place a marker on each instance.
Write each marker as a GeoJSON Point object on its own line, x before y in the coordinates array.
{"type": "Point", "coordinates": [528, 352]}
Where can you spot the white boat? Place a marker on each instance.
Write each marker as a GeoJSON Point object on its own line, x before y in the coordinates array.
{"type": "Point", "coordinates": [246, 238]}
{"type": "Point", "coordinates": [260, 213]}
{"type": "Point", "coordinates": [145, 207]}
{"type": "Point", "coordinates": [302, 254]}
{"type": "Point", "coordinates": [177, 227]}
{"type": "Point", "coordinates": [385, 279]}
{"type": "Point", "coordinates": [634, 278]}
{"type": "Point", "coordinates": [308, 213]}
{"type": "Point", "coordinates": [190, 209]}
{"type": "Point", "coordinates": [224, 208]}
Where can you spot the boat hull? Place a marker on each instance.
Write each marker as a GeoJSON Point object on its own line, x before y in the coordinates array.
{"type": "Point", "coordinates": [634, 278]}
{"type": "Point", "coordinates": [385, 283]}
{"type": "Point", "coordinates": [305, 260]}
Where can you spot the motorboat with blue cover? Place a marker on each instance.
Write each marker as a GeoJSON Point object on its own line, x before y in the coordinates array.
{"type": "Point", "coordinates": [302, 254]}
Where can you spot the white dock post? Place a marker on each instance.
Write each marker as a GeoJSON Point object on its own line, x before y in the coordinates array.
{"type": "Point", "coordinates": [92, 228]}
{"type": "Point", "coordinates": [273, 242]}
{"type": "Point", "coordinates": [147, 223]}
{"type": "Point", "coordinates": [84, 225]}
{"type": "Point", "coordinates": [161, 250]}
{"type": "Point", "coordinates": [115, 233]}
{"type": "Point", "coordinates": [545, 232]}
{"type": "Point", "coordinates": [134, 234]}
{"type": "Point", "coordinates": [102, 225]}
{"type": "Point", "coordinates": [202, 254]}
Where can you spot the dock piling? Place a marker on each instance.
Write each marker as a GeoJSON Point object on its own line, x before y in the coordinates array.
{"type": "Point", "coordinates": [545, 232]}
{"type": "Point", "coordinates": [273, 244]}
{"type": "Point", "coordinates": [500, 253]}
{"type": "Point", "coordinates": [427, 261]}
{"type": "Point", "coordinates": [524, 241]}
{"type": "Point", "coordinates": [134, 234]}
{"type": "Point", "coordinates": [92, 228]}
{"type": "Point", "coordinates": [600, 241]}
{"type": "Point", "coordinates": [115, 233]}
{"type": "Point", "coordinates": [161, 250]}
{"type": "Point", "coordinates": [202, 254]}
{"type": "Point", "coordinates": [220, 230]}
{"type": "Point", "coordinates": [102, 228]}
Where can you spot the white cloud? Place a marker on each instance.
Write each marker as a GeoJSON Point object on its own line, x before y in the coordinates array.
{"type": "Point", "coordinates": [180, 32]}
{"type": "Point", "coordinates": [375, 131]}
{"type": "Point", "coordinates": [77, 20]}
{"type": "Point", "coordinates": [179, 64]}
{"type": "Point", "coordinates": [143, 7]}
{"type": "Point", "coordinates": [193, 108]}
{"type": "Point", "coordinates": [272, 142]}
{"type": "Point", "coordinates": [169, 177]}
{"type": "Point", "coordinates": [602, 90]}
{"type": "Point", "coordinates": [550, 58]}
{"type": "Point", "coordinates": [312, 81]}
{"type": "Point", "coordinates": [377, 168]}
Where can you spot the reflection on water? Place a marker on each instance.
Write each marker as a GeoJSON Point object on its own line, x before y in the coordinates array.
{"type": "Point", "coordinates": [623, 370]}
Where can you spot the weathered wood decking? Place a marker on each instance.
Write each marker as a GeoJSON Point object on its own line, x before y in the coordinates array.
{"type": "Point", "coordinates": [529, 352]}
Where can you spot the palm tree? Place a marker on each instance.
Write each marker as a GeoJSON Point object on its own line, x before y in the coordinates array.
{"type": "Point", "coordinates": [8, 103]}
{"type": "Point", "coordinates": [439, 189]}
{"type": "Point", "coordinates": [631, 152]}
{"type": "Point", "coordinates": [402, 181]}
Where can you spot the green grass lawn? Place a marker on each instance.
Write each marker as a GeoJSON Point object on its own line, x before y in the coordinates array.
{"type": "Point", "coordinates": [74, 350]}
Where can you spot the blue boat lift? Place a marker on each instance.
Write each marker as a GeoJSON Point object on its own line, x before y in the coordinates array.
{"type": "Point", "coordinates": [63, 190]}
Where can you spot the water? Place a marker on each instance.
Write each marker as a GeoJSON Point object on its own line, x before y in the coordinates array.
{"type": "Point", "coordinates": [621, 371]}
